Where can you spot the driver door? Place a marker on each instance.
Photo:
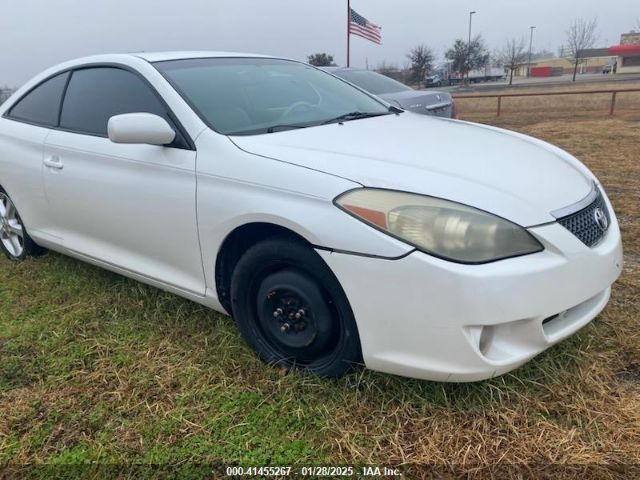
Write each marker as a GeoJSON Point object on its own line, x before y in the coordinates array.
{"type": "Point", "coordinates": [130, 206]}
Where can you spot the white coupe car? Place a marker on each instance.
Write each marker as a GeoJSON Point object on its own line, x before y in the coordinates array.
{"type": "Point", "coordinates": [336, 229]}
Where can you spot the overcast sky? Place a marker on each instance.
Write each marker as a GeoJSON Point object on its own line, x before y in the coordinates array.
{"type": "Point", "coordinates": [35, 34]}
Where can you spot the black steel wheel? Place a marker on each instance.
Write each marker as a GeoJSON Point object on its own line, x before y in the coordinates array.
{"type": "Point", "coordinates": [291, 309]}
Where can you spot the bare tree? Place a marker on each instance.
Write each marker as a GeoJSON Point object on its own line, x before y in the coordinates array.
{"type": "Point", "coordinates": [580, 36]}
{"type": "Point", "coordinates": [512, 54]}
{"type": "Point", "coordinates": [421, 58]}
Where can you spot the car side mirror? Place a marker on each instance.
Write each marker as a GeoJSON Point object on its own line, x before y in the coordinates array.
{"type": "Point", "coordinates": [140, 128]}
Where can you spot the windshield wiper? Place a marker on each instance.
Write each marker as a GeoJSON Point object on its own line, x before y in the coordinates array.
{"type": "Point", "coordinates": [342, 118]}
{"type": "Point", "coordinates": [275, 128]}
{"type": "Point", "coordinates": [353, 116]}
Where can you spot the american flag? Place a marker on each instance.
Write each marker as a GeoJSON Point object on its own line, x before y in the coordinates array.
{"type": "Point", "coordinates": [358, 25]}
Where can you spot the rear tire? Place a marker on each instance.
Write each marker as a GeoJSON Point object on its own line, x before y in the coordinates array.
{"type": "Point", "coordinates": [15, 242]}
{"type": "Point", "coordinates": [291, 309]}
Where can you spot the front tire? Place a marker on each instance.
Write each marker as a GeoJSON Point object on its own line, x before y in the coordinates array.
{"type": "Point", "coordinates": [15, 242]}
{"type": "Point", "coordinates": [291, 309]}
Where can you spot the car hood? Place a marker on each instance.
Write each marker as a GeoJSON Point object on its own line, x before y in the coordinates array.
{"type": "Point", "coordinates": [418, 101]}
{"type": "Point", "coordinates": [508, 174]}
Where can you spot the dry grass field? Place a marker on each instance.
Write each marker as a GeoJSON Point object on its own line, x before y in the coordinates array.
{"type": "Point", "coordinates": [98, 368]}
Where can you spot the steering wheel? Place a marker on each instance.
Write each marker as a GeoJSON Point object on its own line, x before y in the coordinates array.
{"type": "Point", "coordinates": [297, 106]}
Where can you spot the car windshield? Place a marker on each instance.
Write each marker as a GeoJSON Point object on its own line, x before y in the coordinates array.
{"type": "Point", "coordinates": [372, 82]}
{"type": "Point", "coordinates": [249, 96]}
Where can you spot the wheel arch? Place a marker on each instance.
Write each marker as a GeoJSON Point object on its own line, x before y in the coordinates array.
{"type": "Point", "coordinates": [235, 244]}
{"type": "Point", "coordinates": [13, 200]}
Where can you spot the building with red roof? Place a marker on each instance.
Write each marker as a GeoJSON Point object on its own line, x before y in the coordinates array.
{"type": "Point", "coordinates": [627, 53]}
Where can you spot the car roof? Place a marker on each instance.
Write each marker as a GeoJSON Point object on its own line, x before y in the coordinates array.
{"type": "Point", "coordinates": [125, 58]}
{"type": "Point", "coordinates": [346, 69]}
{"type": "Point", "coordinates": [154, 57]}
{"type": "Point", "coordinates": [180, 55]}
{"type": "Point", "coordinates": [349, 69]}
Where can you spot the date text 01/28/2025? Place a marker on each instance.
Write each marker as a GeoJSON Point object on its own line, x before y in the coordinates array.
{"type": "Point", "coordinates": [332, 471]}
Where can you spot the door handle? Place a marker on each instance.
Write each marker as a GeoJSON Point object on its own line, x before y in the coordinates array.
{"type": "Point", "coordinates": [53, 161]}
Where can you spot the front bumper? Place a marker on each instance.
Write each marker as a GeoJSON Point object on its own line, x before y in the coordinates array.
{"type": "Point", "coordinates": [427, 318]}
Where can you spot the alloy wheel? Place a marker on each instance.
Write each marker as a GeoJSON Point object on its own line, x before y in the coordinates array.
{"type": "Point", "coordinates": [11, 228]}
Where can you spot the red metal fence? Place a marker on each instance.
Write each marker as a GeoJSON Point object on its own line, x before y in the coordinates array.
{"type": "Point", "coordinates": [500, 96]}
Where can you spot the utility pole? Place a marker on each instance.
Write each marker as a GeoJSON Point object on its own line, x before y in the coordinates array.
{"type": "Point", "coordinates": [530, 45]}
{"type": "Point", "coordinates": [471, 14]}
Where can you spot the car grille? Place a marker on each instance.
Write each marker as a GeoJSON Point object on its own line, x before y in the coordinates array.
{"type": "Point", "coordinates": [583, 222]}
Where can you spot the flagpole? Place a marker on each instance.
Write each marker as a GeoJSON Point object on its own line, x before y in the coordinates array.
{"type": "Point", "coordinates": [348, 33]}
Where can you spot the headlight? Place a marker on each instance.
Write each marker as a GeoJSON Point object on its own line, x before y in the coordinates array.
{"type": "Point", "coordinates": [442, 228]}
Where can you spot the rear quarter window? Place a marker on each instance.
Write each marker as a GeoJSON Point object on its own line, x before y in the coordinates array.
{"type": "Point", "coordinates": [41, 105]}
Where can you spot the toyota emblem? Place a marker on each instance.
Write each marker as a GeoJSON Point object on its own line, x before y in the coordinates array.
{"type": "Point", "coordinates": [601, 219]}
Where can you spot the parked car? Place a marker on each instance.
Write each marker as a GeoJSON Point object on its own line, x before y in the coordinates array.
{"type": "Point", "coordinates": [433, 81]}
{"type": "Point", "coordinates": [607, 69]}
{"type": "Point", "coordinates": [440, 104]}
{"type": "Point", "coordinates": [335, 229]}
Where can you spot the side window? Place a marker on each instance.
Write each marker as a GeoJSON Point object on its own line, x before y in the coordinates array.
{"type": "Point", "coordinates": [42, 104]}
{"type": "Point", "coordinates": [96, 94]}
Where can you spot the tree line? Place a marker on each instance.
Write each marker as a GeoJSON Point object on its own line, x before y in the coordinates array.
{"type": "Point", "coordinates": [464, 56]}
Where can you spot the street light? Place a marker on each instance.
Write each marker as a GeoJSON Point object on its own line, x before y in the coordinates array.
{"type": "Point", "coordinates": [471, 14]}
{"type": "Point", "coordinates": [530, 45]}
